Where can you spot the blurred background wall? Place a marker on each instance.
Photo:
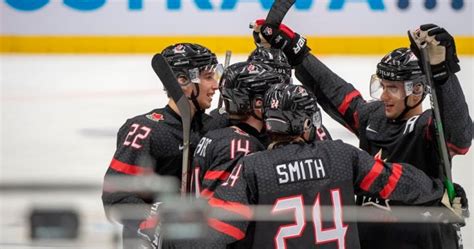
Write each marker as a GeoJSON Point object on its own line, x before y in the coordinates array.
{"type": "Point", "coordinates": [142, 26]}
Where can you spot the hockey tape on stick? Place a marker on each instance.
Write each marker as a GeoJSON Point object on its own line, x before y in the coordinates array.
{"type": "Point", "coordinates": [167, 77]}
{"type": "Point", "coordinates": [446, 164]}
{"type": "Point", "coordinates": [278, 11]}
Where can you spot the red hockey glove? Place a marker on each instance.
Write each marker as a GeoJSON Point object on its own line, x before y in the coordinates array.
{"type": "Point", "coordinates": [441, 49]}
{"type": "Point", "coordinates": [149, 229]}
{"type": "Point", "coordinates": [291, 43]}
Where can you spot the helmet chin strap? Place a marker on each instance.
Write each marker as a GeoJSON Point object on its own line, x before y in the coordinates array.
{"type": "Point", "coordinates": [408, 108]}
{"type": "Point", "coordinates": [254, 106]}
{"type": "Point", "coordinates": [199, 110]}
{"type": "Point", "coordinates": [193, 98]}
{"type": "Point", "coordinates": [253, 114]}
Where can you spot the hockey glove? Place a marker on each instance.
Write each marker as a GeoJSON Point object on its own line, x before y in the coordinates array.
{"type": "Point", "coordinates": [291, 43]}
{"type": "Point", "coordinates": [149, 229]}
{"type": "Point", "coordinates": [460, 201]}
{"type": "Point", "coordinates": [459, 205]}
{"type": "Point", "coordinates": [441, 49]}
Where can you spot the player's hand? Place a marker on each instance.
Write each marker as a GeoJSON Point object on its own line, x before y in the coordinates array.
{"type": "Point", "coordinates": [291, 43]}
{"type": "Point", "coordinates": [149, 229]}
{"type": "Point", "coordinates": [459, 205]}
{"type": "Point", "coordinates": [441, 50]}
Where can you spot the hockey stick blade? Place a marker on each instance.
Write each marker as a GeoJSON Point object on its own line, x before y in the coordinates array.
{"type": "Point", "coordinates": [278, 11]}
{"type": "Point", "coordinates": [172, 86]}
{"type": "Point", "coordinates": [446, 167]}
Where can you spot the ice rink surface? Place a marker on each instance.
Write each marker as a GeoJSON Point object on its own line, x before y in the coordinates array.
{"type": "Point", "coordinates": [60, 115]}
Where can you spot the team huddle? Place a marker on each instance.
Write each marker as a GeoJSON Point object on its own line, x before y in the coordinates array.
{"type": "Point", "coordinates": [270, 148]}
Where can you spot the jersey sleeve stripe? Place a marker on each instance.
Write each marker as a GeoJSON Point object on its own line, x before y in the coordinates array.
{"type": "Point", "coordinates": [226, 228]}
{"type": "Point", "coordinates": [216, 175]}
{"type": "Point", "coordinates": [233, 207]}
{"type": "Point", "coordinates": [347, 101]}
{"type": "Point", "coordinates": [456, 150]}
{"type": "Point", "coordinates": [126, 168]}
{"type": "Point", "coordinates": [206, 193]}
{"type": "Point", "coordinates": [372, 175]}
{"type": "Point", "coordinates": [397, 170]}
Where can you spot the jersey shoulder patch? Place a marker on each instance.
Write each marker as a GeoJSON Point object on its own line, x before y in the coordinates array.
{"type": "Point", "coordinates": [239, 131]}
{"type": "Point", "coordinates": [155, 116]}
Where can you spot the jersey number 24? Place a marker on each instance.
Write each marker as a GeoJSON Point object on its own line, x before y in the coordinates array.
{"type": "Point", "coordinates": [322, 235]}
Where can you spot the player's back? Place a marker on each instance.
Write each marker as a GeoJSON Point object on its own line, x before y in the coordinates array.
{"type": "Point", "coordinates": [217, 153]}
{"type": "Point", "coordinates": [318, 176]}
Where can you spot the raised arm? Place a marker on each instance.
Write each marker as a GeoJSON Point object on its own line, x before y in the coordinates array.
{"type": "Point", "coordinates": [453, 109]}
{"type": "Point", "coordinates": [337, 97]}
{"type": "Point", "coordinates": [455, 117]}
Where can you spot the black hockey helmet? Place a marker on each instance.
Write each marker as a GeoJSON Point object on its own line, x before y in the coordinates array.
{"type": "Point", "coordinates": [399, 65]}
{"type": "Point", "coordinates": [244, 83]}
{"type": "Point", "coordinates": [289, 109]}
{"type": "Point", "coordinates": [274, 58]}
{"type": "Point", "coordinates": [189, 59]}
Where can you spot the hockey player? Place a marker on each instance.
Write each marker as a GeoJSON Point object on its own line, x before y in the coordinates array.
{"type": "Point", "coordinates": [151, 143]}
{"type": "Point", "coordinates": [394, 128]}
{"type": "Point", "coordinates": [294, 174]}
{"type": "Point", "coordinates": [277, 60]}
{"type": "Point", "coordinates": [243, 86]}
{"type": "Point", "coordinates": [272, 57]}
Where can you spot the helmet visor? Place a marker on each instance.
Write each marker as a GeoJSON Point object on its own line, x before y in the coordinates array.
{"type": "Point", "coordinates": [412, 87]}
{"type": "Point", "coordinates": [377, 88]}
{"type": "Point", "coordinates": [215, 71]}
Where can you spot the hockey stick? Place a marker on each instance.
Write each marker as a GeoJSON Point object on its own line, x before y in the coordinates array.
{"type": "Point", "coordinates": [228, 54]}
{"type": "Point", "coordinates": [278, 11]}
{"type": "Point", "coordinates": [167, 77]}
{"type": "Point", "coordinates": [445, 168]}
